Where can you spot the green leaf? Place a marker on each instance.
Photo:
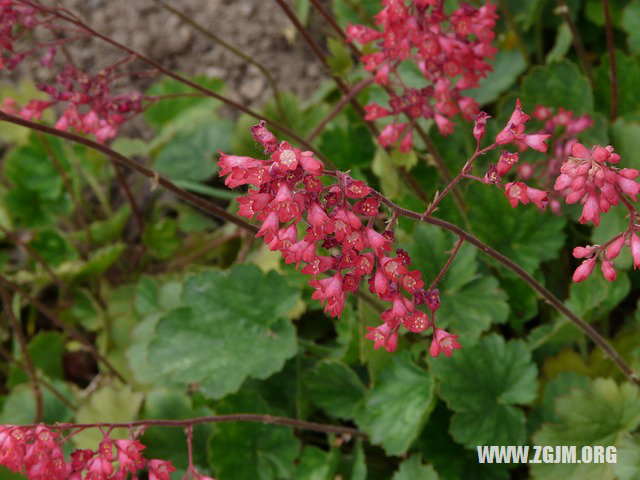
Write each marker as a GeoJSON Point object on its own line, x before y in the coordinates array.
{"type": "Point", "coordinates": [484, 384]}
{"type": "Point", "coordinates": [595, 297]}
{"type": "Point", "coordinates": [107, 230]}
{"type": "Point", "coordinates": [46, 350]}
{"type": "Point", "coordinates": [53, 247]}
{"type": "Point", "coordinates": [316, 464]}
{"type": "Point", "coordinates": [471, 302]}
{"type": "Point", "coordinates": [152, 301]}
{"type": "Point", "coordinates": [561, 45]}
{"type": "Point", "coordinates": [627, 466]}
{"type": "Point", "coordinates": [231, 326]}
{"type": "Point", "coordinates": [108, 403]}
{"type": "Point", "coordinates": [631, 24]}
{"type": "Point", "coordinates": [37, 196]}
{"type": "Point", "coordinates": [168, 110]}
{"type": "Point", "coordinates": [628, 71]}
{"type": "Point", "coordinates": [30, 167]}
{"type": "Point", "coordinates": [20, 405]}
{"type": "Point", "coordinates": [359, 468]}
{"type": "Point", "coordinates": [398, 406]}
{"type": "Point", "coordinates": [413, 469]}
{"type": "Point", "coordinates": [524, 234]}
{"type": "Point", "coordinates": [336, 389]}
{"type": "Point", "coordinates": [251, 450]}
{"type": "Point", "coordinates": [302, 11]}
{"type": "Point", "coordinates": [507, 67]}
{"type": "Point", "coordinates": [625, 135]}
{"type": "Point", "coordinates": [349, 147]}
{"type": "Point", "coordinates": [384, 169]}
{"type": "Point", "coordinates": [161, 238]}
{"type": "Point", "coordinates": [340, 59]}
{"type": "Point", "coordinates": [559, 84]}
{"type": "Point", "coordinates": [348, 11]}
{"type": "Point", "coordinates": [189, 154]}
{"type": "Point", "coordinates": [599, 415]}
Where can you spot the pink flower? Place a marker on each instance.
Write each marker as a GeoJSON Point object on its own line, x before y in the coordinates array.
{"type": "Point", "coordinates": [264, 137]}
{"type": "Point", "coordinates": [444, 342]}
{"type": "Point", "coordinates": [635, 250]}
{"type": "Point", "coordinates": [506, 161]}
{"type": "Point", "coordinates": [613, 250]}
{"type": "Point", "coordinates": [129, 455]}
{"type": "Point", "coordinates": [330, 292]}
{"type": "Point", "coordinates": [382, 335]}
{"type": "Point", "coordinates": [608, 271]}
{"type": "Point", "coordinates": [519, 192]}
{"type": "Point", "coordinates": [160, 469]}
{"type": "Point", "coordinates": [584, 270]}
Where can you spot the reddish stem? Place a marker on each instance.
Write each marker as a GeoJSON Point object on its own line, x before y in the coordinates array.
{"type": "Point", "coordinates": [236, 417]}
{"type": "Point", "coordinates": [448, 264]}
{"type": "Point", "coordinates": [24, 350]}
{"type": "Point", "coordinates": [205, 205]}
{"type": "Point", "coordinates": [613, 74]}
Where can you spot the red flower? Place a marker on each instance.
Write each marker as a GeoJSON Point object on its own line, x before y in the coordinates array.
{"type": "Point", "coordinates": [444, 342]}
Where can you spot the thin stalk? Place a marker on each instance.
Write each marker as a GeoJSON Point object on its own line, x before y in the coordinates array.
{"type": "Point", "coordinates": [549, 297]}
{"type": "Point", "coordinates": [435, 154]}
{"type": "Point", "coordinates": [182, 262]}
{"type": "Point", "coordinates": [613, 73]}
{"type": "Point", "coordinates": [54, 391]}
{"type": "Point", "coordinates": [237, 417]}
{"type": "Point", "coordinates": [465, 170]}
{"type": "Point", "coordinates": [33, 254]}
{"type": "Point", "coordinates": [346, 98]}
{"type": "Point", "coordinates": [236, 51]}
{"type": "Point", "coordinates": [563, 10]}
{"type": "Point", "coordinates": [66, 181]}
{"type": "Point", "coordinates": [206, 206]}
{"type": "Point", "coordinates": [24, 350]}
{"type": "Point", "coordinates": [446, 266]}
{"type": "Point", "coordinates": [122, 180]}
{"type": "Point", "coordinates": [68, 329]}
{"type": "Point", "coordinates": [513, 26]}
{"type": "Point", "coordinates": [406, 176]}
{"type": "Point", "coordinates": [157, 179]}
{"type": "Point", "coordinates": [67, 16]}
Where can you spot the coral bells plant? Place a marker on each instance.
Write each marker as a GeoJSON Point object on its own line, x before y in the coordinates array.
{"type": "Point", "coordinates": [451, 51]}
{"type": "Point", "coordinates": [329, 231]}
{"type": "Point", "coordinates": [125, 310]}
{"type": "Point", "coordinates": [592, 178]}
{"type": "Point", "coordinates": [88, 106]}
{"type": "Point", "coordinates": [37, 452]}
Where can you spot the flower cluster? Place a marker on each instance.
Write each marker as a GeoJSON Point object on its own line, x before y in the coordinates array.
{"type": "Point", "coordinates": [15, 19]}
{"type": "Point", "coordinates": [329, 230]}
{"type": "Point", "coordinates": [104, 112]}
{"type": "Point", "coordinates": [590, 177]}
{"type": "Point", "coordinates": [37, 453]}
{"type": "Point", "coordinates": [586, 178]}
{"type": "Point", "coordinates": [513, 133]}
{"type": "Point", "coordinates": [89, 107]}
{"type": "Point", "coordinates": [451, 51]}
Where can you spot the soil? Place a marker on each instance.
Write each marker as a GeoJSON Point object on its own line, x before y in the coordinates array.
{"type": "Point", "coordinates": [256, 27]}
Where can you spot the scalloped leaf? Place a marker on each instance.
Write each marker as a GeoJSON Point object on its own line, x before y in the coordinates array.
{"type": "Point", "coordinates": [483, 385]}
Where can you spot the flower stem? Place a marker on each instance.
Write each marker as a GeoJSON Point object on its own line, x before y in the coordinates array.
{"type": "Point", "coordinates": [236, 417]}
{"type": "Point", "coordinates": [217, 211]}
{"type": "Point", "coordinates": [613, 74]}
{"type": "Point", "coordinates": [28, 361]}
